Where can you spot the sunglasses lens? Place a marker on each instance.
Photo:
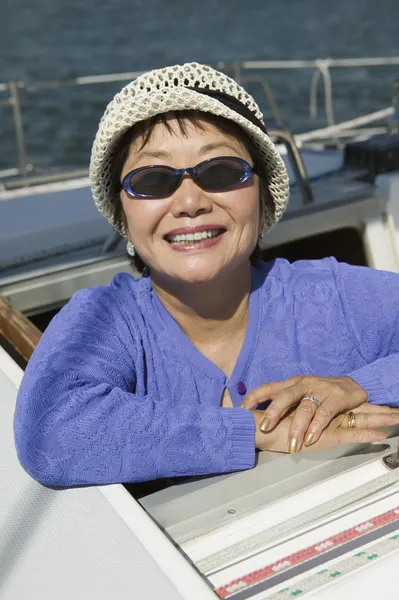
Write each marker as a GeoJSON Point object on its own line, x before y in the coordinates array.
{"type": "Point", "coordinates": [158, 181]}
{"type": "Point", "coordinates": [220, 173]}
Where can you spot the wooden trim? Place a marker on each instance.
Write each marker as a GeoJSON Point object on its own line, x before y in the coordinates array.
{"type": "Point", "coordinates": [18, 330]}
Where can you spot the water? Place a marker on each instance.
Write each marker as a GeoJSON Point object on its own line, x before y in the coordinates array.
{"type": "Point", "coordinates": [54, 39]}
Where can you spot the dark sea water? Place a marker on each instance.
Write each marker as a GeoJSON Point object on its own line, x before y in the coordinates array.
{"type": "Point", "coordinates": [59, 39]}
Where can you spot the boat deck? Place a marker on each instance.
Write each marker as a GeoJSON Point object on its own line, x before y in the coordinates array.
{"type": "Point", "coordinates": [74, 543]}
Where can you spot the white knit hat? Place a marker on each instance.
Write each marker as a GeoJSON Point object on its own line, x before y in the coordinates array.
{"type": "Point", "coordinates": [184, 87]}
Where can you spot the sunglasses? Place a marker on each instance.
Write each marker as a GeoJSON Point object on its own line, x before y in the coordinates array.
{"type": "Point", "coordinates": [212, 175]}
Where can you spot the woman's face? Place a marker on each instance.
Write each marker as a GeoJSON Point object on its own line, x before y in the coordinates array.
{"type": "Point", "coordinates": [152, 224]}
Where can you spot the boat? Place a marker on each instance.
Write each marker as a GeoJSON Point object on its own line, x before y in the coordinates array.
{"type": "Point", "coordinates": [324, 525]}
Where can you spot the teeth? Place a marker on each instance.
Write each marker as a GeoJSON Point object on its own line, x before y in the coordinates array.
{"type": "Point", "coordinates": [184, 238]}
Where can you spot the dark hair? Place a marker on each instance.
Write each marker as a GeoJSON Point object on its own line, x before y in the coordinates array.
{"type": "Point", "coordinates": [144, 129]}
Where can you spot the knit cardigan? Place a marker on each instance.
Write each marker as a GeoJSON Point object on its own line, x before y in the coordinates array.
{"type": "Point", "coordinates": [116, 392]}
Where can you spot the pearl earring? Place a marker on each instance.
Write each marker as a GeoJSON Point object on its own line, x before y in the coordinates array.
{"type": "Point", "coordinates": [130, 249]}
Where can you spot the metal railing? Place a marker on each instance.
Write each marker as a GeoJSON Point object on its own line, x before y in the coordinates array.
{"type": "Point", "coordinates": [243, 71]}
{"type": "Point", "coordinates": [321, 69]}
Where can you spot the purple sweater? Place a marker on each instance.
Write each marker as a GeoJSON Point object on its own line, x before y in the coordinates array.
{"type": "Point", "coordinates": [115, 391]}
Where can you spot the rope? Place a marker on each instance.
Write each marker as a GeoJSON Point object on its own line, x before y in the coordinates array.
{"type": "Point", "coordinates": [306, 558]}
{"type": "Point", "coordinates": [339, 569]}
{"type": "Point", "coordinates": [263, 538]}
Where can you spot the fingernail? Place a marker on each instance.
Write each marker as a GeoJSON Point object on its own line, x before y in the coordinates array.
{"type": "Point", "coordinates": [293, 446]}
{"type": "Point", "coordinates": [309, 439]}
{"type": "Point", "coordinates": [264, 424]}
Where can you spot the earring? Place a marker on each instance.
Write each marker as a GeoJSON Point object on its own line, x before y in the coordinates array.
{"type": "Point", "coordinates": [130, 249]}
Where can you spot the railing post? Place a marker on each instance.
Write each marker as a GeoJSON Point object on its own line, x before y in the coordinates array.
{"type": "Point", "coordinates": [313, 93]}
{"type": "Point", "coordinates": [297, 163]}
{"type": "Point", "coordinates": [237, 71]}
{"type": "Point", "coordinates": [14, 100]}
{"type": "Point", "coordinates": [324, 68]}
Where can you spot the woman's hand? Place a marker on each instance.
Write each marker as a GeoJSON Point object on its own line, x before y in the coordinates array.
{"type": "Point", "coordinates": [331, 396]}
{"type": "Point", "coordinates": [368, 418]}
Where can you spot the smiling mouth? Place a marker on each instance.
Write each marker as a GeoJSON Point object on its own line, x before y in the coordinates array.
{"type": "Point", "coordinates": [181, 239]}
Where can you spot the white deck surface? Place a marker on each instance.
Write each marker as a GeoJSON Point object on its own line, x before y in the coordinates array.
{"type": "Point", "coordinates": [73, 544]}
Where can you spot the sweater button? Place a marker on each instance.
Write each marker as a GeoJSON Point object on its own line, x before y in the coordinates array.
{"type": "Point", "coordinates": [241, 388]}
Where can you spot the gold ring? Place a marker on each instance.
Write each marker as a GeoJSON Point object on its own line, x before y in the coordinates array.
{"type": "Point", "coordinates": [351, 420]}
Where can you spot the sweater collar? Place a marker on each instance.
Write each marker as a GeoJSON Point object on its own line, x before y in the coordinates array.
{"type": "Point", "coordinates": [192, 354]}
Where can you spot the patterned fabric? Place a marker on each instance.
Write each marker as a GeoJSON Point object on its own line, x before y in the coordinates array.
{"type": "Point", "coordinates": [115, 391]}
{"type": "Point", "coordinates": [170, 89]}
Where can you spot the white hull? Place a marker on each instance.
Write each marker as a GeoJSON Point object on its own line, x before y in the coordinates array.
{"type": "Point", "coordinates": [97, 542]}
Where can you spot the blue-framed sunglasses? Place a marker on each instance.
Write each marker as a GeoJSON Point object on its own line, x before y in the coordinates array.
{"type": "Point", "coordinates": [212, 175]}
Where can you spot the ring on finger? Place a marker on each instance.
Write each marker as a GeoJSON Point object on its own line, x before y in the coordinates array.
{"type": "Point", "coordinates": [313, 399]}
{"type": "Point", "coordinates": [351, 420]}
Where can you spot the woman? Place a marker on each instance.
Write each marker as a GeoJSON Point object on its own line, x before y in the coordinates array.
{"type": "Point", "coordinates": [162, 376]}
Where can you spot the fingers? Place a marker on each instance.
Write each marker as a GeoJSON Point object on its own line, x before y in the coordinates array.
{"type": "Point", "coordinates": [336, 395]}
{"type": "Point", "coordinates": [301, 420]}
{"type": "Point", "coordinates": [323, 415]}
{"type": "Point", "coordinates": [264, 392]}
{"type": "Point", "coordinates": [287, 394]}
{"type": "Point", "coordinates": [371, 420]}
{"type": "Point", "coordinates": [366, 407]}
{"type": "Point", "coordinates": [282, 403]}
{"type": "Point", "coordinates": [365, 432]}
{"type": "Point", "coordinates": [360, 436]}
{"type": "Point", "coordinates": [338, 436]}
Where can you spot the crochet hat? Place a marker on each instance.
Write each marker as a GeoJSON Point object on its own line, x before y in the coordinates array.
{"type": "Point", "coordinates": [184, 87]}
